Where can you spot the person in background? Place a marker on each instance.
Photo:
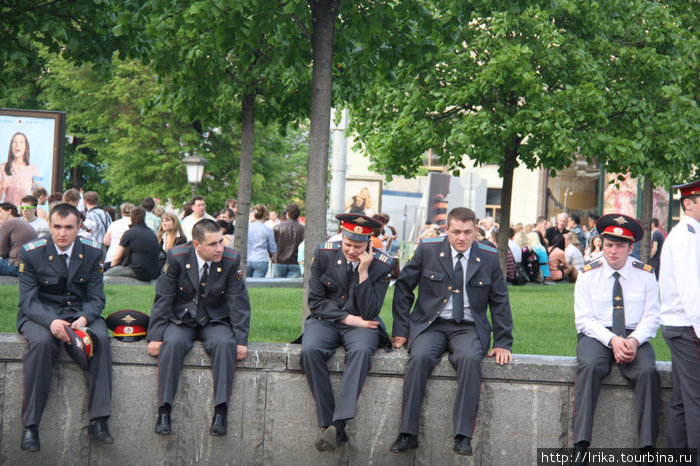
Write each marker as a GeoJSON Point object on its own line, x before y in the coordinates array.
{"type": "Point", "coordinates": [594, 251]}
{"type": "Point", "coordinates": [272, 219]}
{"type": "Point", "coordinates": [42, 197]}
{"type": "Point", "coordinates": [227, 231]}
{"type": "Point", "coordinates": [575, 226]}
{"type": "Point", "coordinates": [143, 249]}
{"type": "Point", "coordinates": [261, 244]}
{"type": "Point", "coordinates": [186, 210]}
{"type": "Point", "coordinates": [115, 232]}
{"type": "Point", "coordinates": [573, 253]}
{"type": "Point", "coordinates": [657, 244]}
{"type": "Point", "coordinates": [152, 221]}
{"type": "Point", "coordinates": [14, 233]}
{"type": "Point", "coordinates": [288, 236]}
{"type": "Point", "coordinates": [534, 242]}
{"type": "Point", "coordinates": [555, 234]}
{"type": "Point", "coordinates": [198, 213]}
{"type": "Point", "coordinates": [592, 232]}
{"type": "Point", "coordinates": [227, 215]}
{"type": "Point", "coordinates": [170, 234]}
{"type": "Point", "coordinates": [96, 219]}
{"type": "Point", "coordinates": [28, 206]}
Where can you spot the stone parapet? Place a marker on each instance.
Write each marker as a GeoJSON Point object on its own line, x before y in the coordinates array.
{"type": "Point", "coordinates": [524, 405]}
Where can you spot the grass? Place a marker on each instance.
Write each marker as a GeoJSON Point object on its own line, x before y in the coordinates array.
{"type": "Point", "coordinates": [543, 316]}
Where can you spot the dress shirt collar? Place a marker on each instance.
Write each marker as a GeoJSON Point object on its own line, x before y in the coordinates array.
{"type": "Point", "coordinates": [455, 252]}
{"type": "Point", "coordinates": [68, 251]}
{"type": "Point", "coordinates": [200, 263]}
{"type": "Point", "coordinates": [624, 271]}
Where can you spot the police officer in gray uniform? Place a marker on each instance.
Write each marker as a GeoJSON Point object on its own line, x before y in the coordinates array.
{"type": "Point", "coordinates": [200, 294]}
{"type": "Point", "coordinates": [60, 284]}
{"type": "Point", "coordinates": [346, 291]}
{"type": "Point", "coordinates": [616, 303]}
{"type": "Point", "coordinates": [459, 278]}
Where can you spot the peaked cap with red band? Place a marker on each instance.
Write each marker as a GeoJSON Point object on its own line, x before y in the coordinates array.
{"type": "Point", "coordinates": [83, 343]}
{"type": "Point", "coordinates": [128, 325]}
{"type": "Point", "coordinates": [620, 226]}
{"type": "Point", "coordinates": [357, 227]}
{"type": "Point", "coordinates": [688, 189]}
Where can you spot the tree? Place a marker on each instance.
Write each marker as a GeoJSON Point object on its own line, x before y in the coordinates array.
{"type": "Point", "coordinates": [79, 30]}
{"type": "Point", "coordinates": [509, 84]}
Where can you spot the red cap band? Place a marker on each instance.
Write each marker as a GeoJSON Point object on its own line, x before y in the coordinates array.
{"type": "Point", "coordinates": [619, 231]}
{"type": "Point", "coordinates": [357, 229]}
{"type": "Point", "coordinates": [690, 191]}
{"type": "Point", "coordinates": [129, 331]}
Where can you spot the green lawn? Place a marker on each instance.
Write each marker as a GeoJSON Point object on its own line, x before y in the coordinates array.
{"type": "Point", "coordinates": [543, 315]}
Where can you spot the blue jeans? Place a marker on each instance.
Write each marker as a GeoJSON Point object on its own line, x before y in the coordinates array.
{"type": "Point", "coordinates": [286, 271]}
{"type": "Point", "coordinates": [257, 269]}
{"type": "Point", "coordinates": [8, 269]}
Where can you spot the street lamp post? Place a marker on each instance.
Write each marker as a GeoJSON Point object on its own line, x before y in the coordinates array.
{"type": "Point", "coordinates": [195, 169]}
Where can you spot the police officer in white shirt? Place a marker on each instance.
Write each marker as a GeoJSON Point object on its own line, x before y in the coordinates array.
{"type": "Point", "coordinates": [679, 280]}
{"type": "Point", "coordinates": [617, 313]}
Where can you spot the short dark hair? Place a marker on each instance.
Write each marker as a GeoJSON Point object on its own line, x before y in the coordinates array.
{"type": "Point", "coordinates": [461, 214]}
{"type": "Point", "coordinates": [655, 222]}
{"type": "Point", "coordinates": [231, 202]}
{"type": "Point", "coordinates": [540, 219]}
{"type": "Point", "coordinates": [11, 208]}
{"type": "Point", "coordinates": [57, 196]}
{"type": "Point", "coordinates": [616, 239]}
{"type": "Point", "coordinates": [64, 210]}
{"type": "Point", "coordinates": [204, 226]}
{"type": "Point", "coordinates": [138, 215]}
{"type": "Point", "coordinates": [227, 227]}
{"type": "Point", "coordinates": [72, 195]}
{"type": "Point", "coordinates": [29, 199]}
{"type": "Point", "coordinates": [575, 218]}
{"type": "Point", "coordinates": [197, 198]}
{"type": "Point", "coordinates": [691, 197]}
{"type": "Point", "coordinates": [40, 191]}
{"type": "Point", "coordinates": [148, 203]}
{"type": "Point", "coordinates": [228, 211]}
{"type": "Point", "coordinates": [293, 211]}
{"type": "Point", "coordinates": [91, 197]}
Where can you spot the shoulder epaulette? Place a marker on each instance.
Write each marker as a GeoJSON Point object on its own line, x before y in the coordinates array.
{"type": "Point", "coordinates": [180, 249]}
{"type": "Point", "coordinates": [331, 245]}
{"type": "Point", "coordinates": [89, 242]}
{"type": "Point", "coordinates": [380, 256]}
{"type": "Point", "coordinates": [591, 266]}
{"type": "Point", "coordinates": [691, 229]}
{"type": "Point", "coordinates": [231, 254]}
{"type": "Point", "coordinates": [486, 247]}
{"type": "Point", "coordinates": [41, 242]}
{"type": "Point", "coordinates": [437, 239]}
{"type": "Point", "coordinates": [643, 266]}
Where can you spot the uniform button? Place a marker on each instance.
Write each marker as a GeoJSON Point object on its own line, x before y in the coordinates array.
{"type": "Point", "coordinates": [444, 300]}
{"type": "Point", "coordinates": [318, 318]}
{"type": "Point", "coordinates": [430, 322]}
{"type": "Point", "coordinates": [46, 282]}
{"type": "Point", "coordinates": [449, 288]}
{"type": "Point", "coordinates": [67, 294]}
{"type": "Point", "coordinates": [342, 297]}
{"type": "Point", "coordinates": [432, 276]}
{"type": "Point", "coordinates": [81, 279]}
{"type": "Point", "coordinates": [329, 283]}
{"type": "Point", "coordinates": [69, 303]}
{"type": "Point", "coordinates": [481, 283]}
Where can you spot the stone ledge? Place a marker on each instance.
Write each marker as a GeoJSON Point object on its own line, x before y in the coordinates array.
{"type": "Point", "coordinates": [280, 357]}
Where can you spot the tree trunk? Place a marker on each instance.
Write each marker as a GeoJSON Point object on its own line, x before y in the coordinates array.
{"type": "Point", "coordinates": [76, 178]}
{"type": "Point", "coordinates": [245, 176]}
{"type": "Point", "coordinates": [647, 208]}
{"type": "Point", "coordinates": [511, 155]}
{"type": "Point", "coordinates": [323, 14]}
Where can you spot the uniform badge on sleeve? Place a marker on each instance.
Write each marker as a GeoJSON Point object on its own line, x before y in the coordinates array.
{"type": "Point", "coordinates": [239, 275]}
{"type": "Point", "coordinates": [165, 267]}
{"type": "Point", "coordinates": [102, 267]}
{"type": "Point", "coordinates": [21, 267]}
{"type": "Point", "coordinates": [388, 278]}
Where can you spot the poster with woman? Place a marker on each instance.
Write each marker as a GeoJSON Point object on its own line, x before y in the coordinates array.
{"type": "Point", "coordinates": [363, 195]}
{"type": "Point", "coordinates": [35, 141]}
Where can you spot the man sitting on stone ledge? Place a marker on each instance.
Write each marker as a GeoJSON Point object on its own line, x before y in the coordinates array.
{"type": "Point", "coordinates": [60, 284]}
{"type": "Point", "coordinates": [346, 291]}
{"type": "Point", "coordinates": [616, 303]}
{"type": "Point", "coordinates": [200, 294]}
{"type": "Point", "coordinates": [459, 278]}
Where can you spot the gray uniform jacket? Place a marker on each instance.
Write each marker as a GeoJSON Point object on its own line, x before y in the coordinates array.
{"type": "Point", "coordinates": [330, 295]}
{"type": "Point", "coordinates": [48, 291]}
{"type": "Point", "coordinates": [176, 293]}
{"type": "Point", "coordinates": [431, 268]}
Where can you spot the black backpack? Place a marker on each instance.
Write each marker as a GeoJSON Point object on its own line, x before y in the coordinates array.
{"type": "Point", "coordinates": [531, 264]}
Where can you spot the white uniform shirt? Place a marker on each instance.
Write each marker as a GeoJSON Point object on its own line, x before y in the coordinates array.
{"type": "Point", "coordinates": [679, 277]}
{"type": "Point", "coordinates": [593, 305]}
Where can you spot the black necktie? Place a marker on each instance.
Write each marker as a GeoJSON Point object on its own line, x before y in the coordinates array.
{"type": "Point", "coordinates": [202, 316]}
{"type": "Point", "coordinates": [64, 259]}
{"type": "Point", "coordinates": [618, 326]}
{"type": "Point", "coordinates": [458, 290]}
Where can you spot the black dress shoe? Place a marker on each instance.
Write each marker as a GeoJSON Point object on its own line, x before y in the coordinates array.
{"type": "Point", "coordinates": [579, 456]}
{"type": "Point", "coordinates": [30, 439]}
{"type": "Point", "coordinates": [163, 426]}
{"type": "Point", "coordinates": [100, 432]}
{"type": "Point", "coordinates": [404, 442]}
{"type": "Point", "coordinates": [463, 445]}
{"type": "Point", "coordinates": [218, 425]}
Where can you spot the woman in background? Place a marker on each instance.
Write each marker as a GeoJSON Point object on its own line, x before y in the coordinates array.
{"type": "Point", "coordinates": [17, 176]}
{"type": "Point", "coordinates": [169, 234]}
